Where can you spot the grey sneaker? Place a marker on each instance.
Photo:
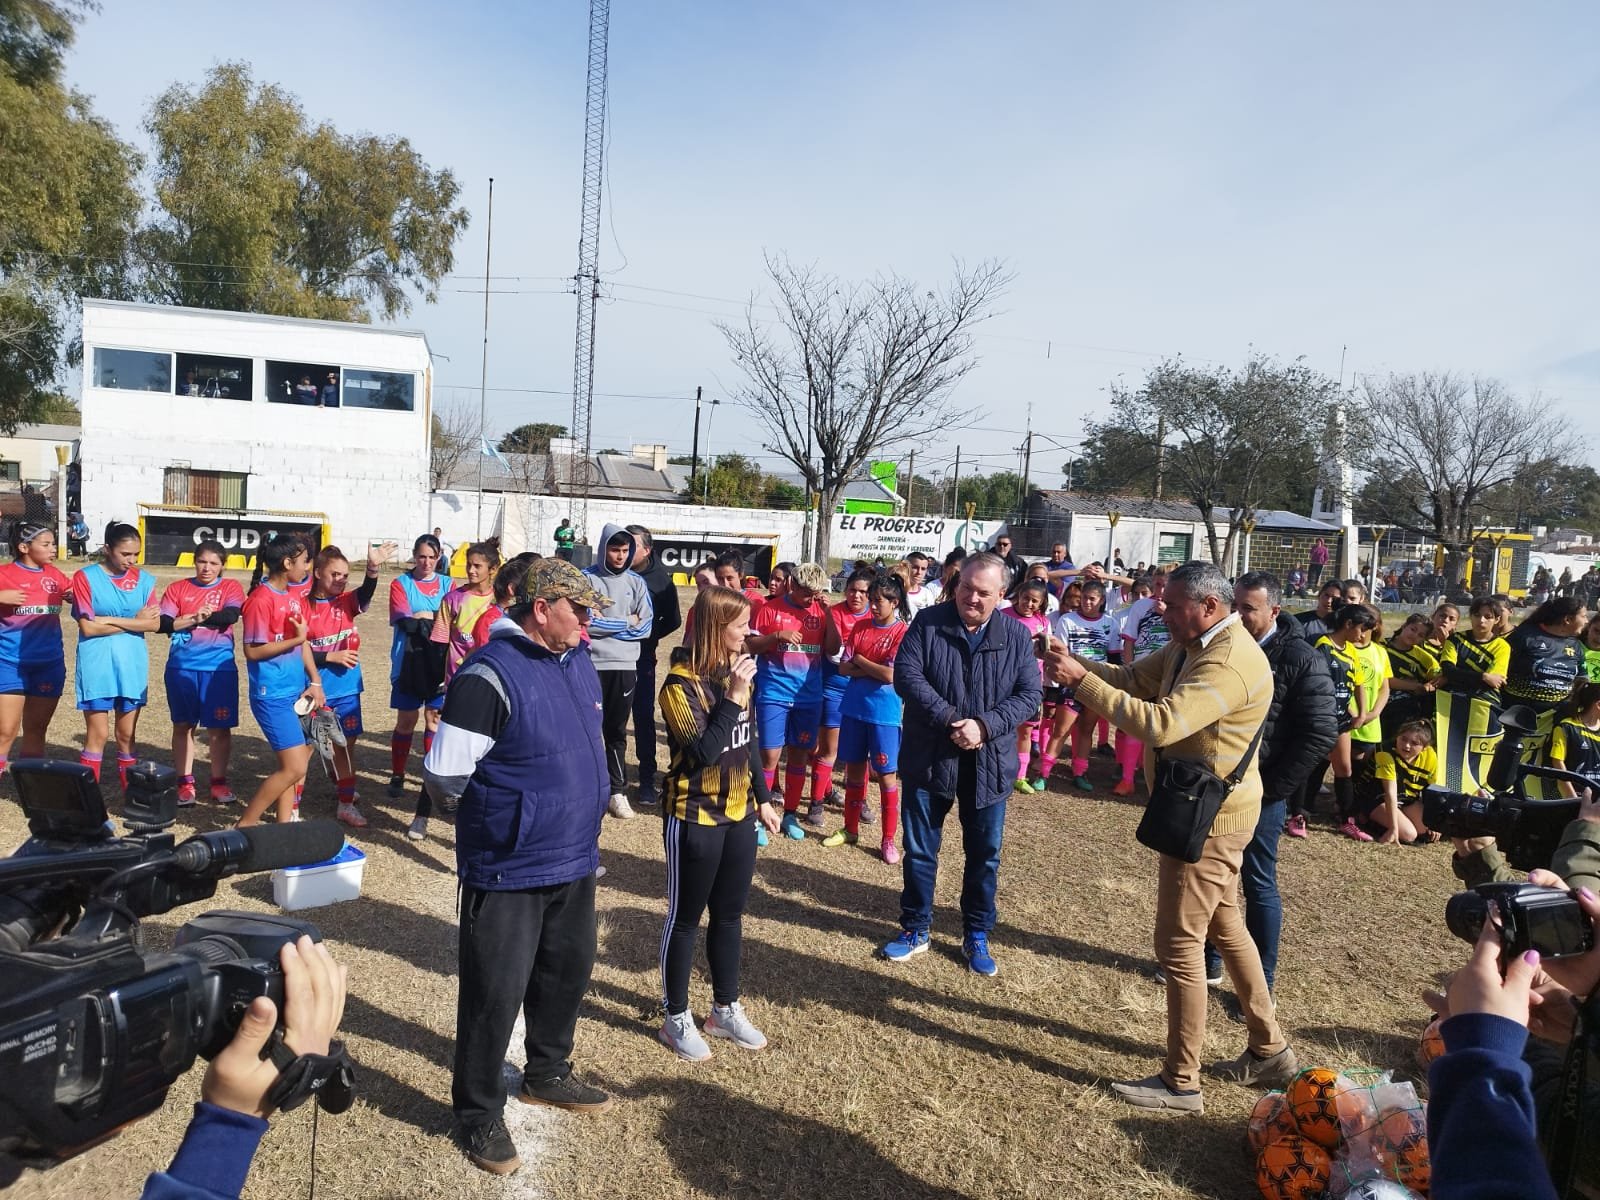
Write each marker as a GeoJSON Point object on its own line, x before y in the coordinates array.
{"type": "Point", "coordinates": [418, 829]}
{"type": "Point", "coordinates": [678, 1034]}
{"type": "Point", "coordinates": [1274, 1071]}
{"type": "Point", "coordinates": [1154, 1093]}
{"type": "Point", "coordinates": [731, 1023]}
{"type": "Point", "coordinates": [815, 816]}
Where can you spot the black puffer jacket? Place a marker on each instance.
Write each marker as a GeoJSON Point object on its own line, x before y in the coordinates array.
{"type": "Point", "coordinates": [1303, 722]}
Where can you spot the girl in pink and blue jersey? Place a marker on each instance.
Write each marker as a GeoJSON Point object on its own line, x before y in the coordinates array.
{"type": "Point", "coordinates": [414, 599]}
{"type": "Point", "coordinates": [1029, 609]}
{"type": "Point", "coordinates": [464, 604]}
{"type": "Point", "coordinates": [33, 664]}
{"type": "Point", "coordinates": [277, 654]}
{"type": "Point", "coordinates": [112, 601]}
{"type": "Point", "coordinates": [202, 678]}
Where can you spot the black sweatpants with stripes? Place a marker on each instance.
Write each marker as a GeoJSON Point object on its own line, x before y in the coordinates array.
{"type": "Point", "coordinates": [708, 866]}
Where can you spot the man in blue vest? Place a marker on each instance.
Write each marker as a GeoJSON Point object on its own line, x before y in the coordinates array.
{"type": "Point", "coordinates": [519, 745]}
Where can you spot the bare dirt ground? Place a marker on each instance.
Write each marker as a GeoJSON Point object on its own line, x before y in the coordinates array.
{"type": "Point", "coordinates": [916, 1080]}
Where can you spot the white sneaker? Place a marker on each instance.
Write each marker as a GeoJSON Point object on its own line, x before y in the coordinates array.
{"type": "Point", "coordinates": [679, 1035]}
{"type": "Point", "coordinates": [350, 814]}
{"type": "Point", "coordinates": [418, 829]}
{"type": "Point", "coordinates": [619, 807]}
{"type": "Point", "coordinates": [731, 1023]}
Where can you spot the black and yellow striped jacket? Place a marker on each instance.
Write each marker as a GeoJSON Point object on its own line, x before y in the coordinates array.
{"type": "Point", "coordinates": [714, 776]}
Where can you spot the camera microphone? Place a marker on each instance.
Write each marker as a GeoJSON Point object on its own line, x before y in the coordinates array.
{"type": "Point", "coordinates": [259, 848]}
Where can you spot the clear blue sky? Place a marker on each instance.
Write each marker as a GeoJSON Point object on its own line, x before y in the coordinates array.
{"type": "Point", "coordinates": [1415, 182]}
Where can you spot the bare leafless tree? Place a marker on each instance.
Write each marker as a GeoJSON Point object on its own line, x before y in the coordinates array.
{"type": "Point", "coordinates": [457, 438]}
{"type": "Point", "coordinates": [848, 370]}
{"type": "Point", "coordinates": [1440, 443]}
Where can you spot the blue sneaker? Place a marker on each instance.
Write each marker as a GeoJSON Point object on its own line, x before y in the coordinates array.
{"type": "Point", "coordinates": [761, 834]}
{"type": "Point", "coordinates": [976, 947]}
{"type": "Point", "coordinates": [791, 827]}
{"type": "Point", "coordinates": [907, 944]}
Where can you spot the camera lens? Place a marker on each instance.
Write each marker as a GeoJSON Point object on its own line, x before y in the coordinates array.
{"type": "Point", "coordinates": [1464, 915]}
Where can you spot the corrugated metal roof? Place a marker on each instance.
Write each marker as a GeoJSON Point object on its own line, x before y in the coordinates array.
{"type": "Point", "coordinates": [1169, 510]}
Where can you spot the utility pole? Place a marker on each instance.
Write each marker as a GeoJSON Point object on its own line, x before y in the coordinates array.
{"type": "Point", "coordinates": [694, 455]}
{"type": "Point", "coordinates": [911, 479]}
{"type": "Point", "coordinates": [955, 506]}
{"type": "Point", "coordinates": [483, 376]}
{"type": "Point", "coordinates": [1161, 456]}
{"type": "Point", "coordinates": [1027, 456]}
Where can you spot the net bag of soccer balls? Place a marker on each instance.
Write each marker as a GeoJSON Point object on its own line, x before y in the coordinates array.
{"type": "Point", "coordinates": [1354, 1135]}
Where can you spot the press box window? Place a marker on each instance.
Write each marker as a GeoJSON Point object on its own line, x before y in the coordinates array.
{"type": "Point", "coordinates": [391, 390]}
{"type": "Point", "coordinates": [132, 370]}
{"type": "Point", "coordinates": [302, 383]}
{"type": "Point", "coordinates": [214, 377]}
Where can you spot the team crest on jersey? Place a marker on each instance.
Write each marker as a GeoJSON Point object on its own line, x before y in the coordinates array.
{"type": "Point", "coordinates": [50, 585]}
{"type": "Point", "coordinates": [222, 714]}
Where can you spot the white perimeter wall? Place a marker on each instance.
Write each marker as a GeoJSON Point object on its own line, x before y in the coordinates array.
{"type": "Point", "coordinates": [530, 521]}
{"type": "Point", "coordinates": [367, 469]}
{"type": "Point", "coordinates": [1092, 540]}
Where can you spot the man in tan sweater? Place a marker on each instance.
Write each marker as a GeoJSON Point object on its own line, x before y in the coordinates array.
{"type": "Point", "coordinates": [1199, 699]}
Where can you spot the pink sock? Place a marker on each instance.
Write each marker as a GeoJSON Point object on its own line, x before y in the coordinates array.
{"type": "Point", "coordinates": [1129, 752]}
{"type": "Point", "coordinates": [770, 777]}
{"type": "Point", "coordinates": [1047, 763]}
{"type": "Point", "coordinates": [1080, 766]}
{"type": "Point", "coordinates": [1024, 757]}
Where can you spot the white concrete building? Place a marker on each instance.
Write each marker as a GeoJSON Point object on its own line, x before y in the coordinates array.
{"type": "Point", "coordinates": [202, 423]}
{"type": "Point", "coordinates": [30, 453]}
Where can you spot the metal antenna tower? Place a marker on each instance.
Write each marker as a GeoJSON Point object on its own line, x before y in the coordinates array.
{"type": "Point", "coordinates": [587, 280]}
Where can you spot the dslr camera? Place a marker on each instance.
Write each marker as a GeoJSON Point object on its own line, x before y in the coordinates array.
{"type": "Point", "coordinates": [1527, 831]}
{"type": "Point", "coordinates": [93, 1030]}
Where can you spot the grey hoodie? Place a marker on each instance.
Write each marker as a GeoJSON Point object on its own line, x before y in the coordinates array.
{"type": "Point", "coordinates": [615, 634]}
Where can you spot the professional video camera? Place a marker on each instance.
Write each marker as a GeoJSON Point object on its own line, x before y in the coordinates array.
{"type": "Point", "coordinates": [1527, 831]}
{"type": "Point", "coordinates": [92, 1029]}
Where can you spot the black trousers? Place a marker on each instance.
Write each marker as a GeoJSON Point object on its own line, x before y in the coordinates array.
{"type": "Point", "coordinates": [707, 866]}
{"type": "Point", "coordinates": [644, 715]}
{"type": "Point", "coordinates": [529, 951]}
{"type": "Point", "coordinates": [616, 706]}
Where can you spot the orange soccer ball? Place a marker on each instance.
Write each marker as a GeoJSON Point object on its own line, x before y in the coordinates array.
{"type": "Point", "coordinates": [1402, 1147]}
{"type": "Point", "coordinates": [1314, 1102]}
{"type": "Point", "coordinates": [1432, 1043]}
{"type": "Point", "coordinates": [1270, 1120]}
{"type": "Point", "coordinates": [1293, 1168]}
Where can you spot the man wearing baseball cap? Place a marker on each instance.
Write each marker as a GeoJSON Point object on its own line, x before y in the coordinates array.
{"type": "Point", "coordinates": [519, 747]}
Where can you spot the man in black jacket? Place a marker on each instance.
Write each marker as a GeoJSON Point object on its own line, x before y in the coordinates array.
{"type": "Point", "coordinates": [664, 602]}
{"type": "Point", "coordinates": [1302, 725]}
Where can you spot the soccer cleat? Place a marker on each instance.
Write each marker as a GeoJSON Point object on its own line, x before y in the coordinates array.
{"type": "Point", "coordinates": [186, 795]}
{"type": "Point", "coordinates": [678, 1034]}
{"type": "Point", "coordinates": [1351, 830]}
{"type": "Point", "coordinates": [1295, 826]}
{"type": "Point", "coordinates": [840, 837]}
{"type": "Point", "coordinates": [815, 816]}
{"type": "Point", "coordinates": [568, 1092]}
{"type": "Point", "coordinates": [350, 813]}
{"type": "Point", "coordinates": [1124, 788]}
{"type": "Point", "coordinates": [397, 786]}
{"type": "Point", "coordinates": [834, 798]}
{"type": "Point", "coordinates": [1022, 786]}
{"type": "Point", "coordinates": [1040, 786]}
{"type": "Point", "coordinates": [730, 1022]}
{"type": "Point", "coordinates": [1081, 782]}
{"type": "Point", "coordinates": [866, 813]}
{"type": "Point", "coordinates": [975, 946]}
{"type": "Point", "coordinates": [890, 854]}
{"type": "Point", "coordinates": [619, 807]}
{"type": "Point", "coordinates": [761, 834]}
{"type": "Point", "coordinates": [418, 829]}
{"type": "Point", "coordinates": [223, 795]}
{"type": "Point", "coordinates": [490, 1146]}
{"type": "Point", "coordinates": [790, 827]}
{"type": "Point", "coordinates": [907, 944]}
{"type": "Point", "coordinates": [1154, 1093]}
{"type": "Point", "coordinates": [1104, 750]}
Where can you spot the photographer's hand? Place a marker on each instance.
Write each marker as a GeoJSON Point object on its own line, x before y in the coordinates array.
{"type": "Point", "coordinates": [1579, 975]}
{"type": "Point", "coordinates": [314, 990]}
{"type": "Point", "coordinates": [1478, 987]}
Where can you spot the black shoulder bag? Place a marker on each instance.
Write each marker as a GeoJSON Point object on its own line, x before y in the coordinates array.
{"type": "Point", "coordinates": [1185, 798]}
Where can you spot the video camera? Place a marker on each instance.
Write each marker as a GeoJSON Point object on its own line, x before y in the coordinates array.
{"type": "Point", "coordinates": [1527, 831]}
{"type": "Point", "coordinates": [1545, 919]}
{"type": "Point", "coordinates": [93, 1030]}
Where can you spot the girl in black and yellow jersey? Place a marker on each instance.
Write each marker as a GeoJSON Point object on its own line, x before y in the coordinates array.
{"type": "Point", "coordinates": [1475, 661]}
{"type": "Point", "coordinates": [1351, 625]}
{"type": "Point", "coordinates": [713, 795]}
{"type": "Point", "coordinates": [1441, 626]}
{"type": "Point", "coordinates": [1415, 669]}
{"type": "Point", "coordinates": [1575, 741]}
{"type": "Point", "coordinates": [1391, 786]}
{"type": "Point", "coordinates": [1546, 654]}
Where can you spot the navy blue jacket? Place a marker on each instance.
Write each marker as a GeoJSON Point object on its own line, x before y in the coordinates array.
{"type": "Point", "coordinates": [530, 814]}
{"type": "Point", "coordinates": [213, 1160]}
{"type": "Point", "coordinates": [942, 681]}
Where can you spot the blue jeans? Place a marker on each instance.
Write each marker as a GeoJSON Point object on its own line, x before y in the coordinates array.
{"type": "Point", "coordinates": [1263, 907]}
{"type": "Point", "coordinates": [922, 831]}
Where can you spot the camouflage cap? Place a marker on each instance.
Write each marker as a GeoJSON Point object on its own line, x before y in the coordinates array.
{"type": "Point", "coordinates": [553, 578]}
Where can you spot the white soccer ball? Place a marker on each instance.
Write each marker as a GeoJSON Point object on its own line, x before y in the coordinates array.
{"type": "Point", "coordinates": [1380, 1189]}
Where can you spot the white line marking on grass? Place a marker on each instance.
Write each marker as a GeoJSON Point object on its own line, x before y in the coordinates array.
{"type": "Point", "coordinates": [532, 1127]}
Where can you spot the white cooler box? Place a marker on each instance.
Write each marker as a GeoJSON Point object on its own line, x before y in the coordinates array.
{"type": "Point", "coordinates": [321, 883]}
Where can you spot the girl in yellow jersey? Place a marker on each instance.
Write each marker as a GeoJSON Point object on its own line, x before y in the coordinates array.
{"type": "Point", "coordinates": [712, 796]}
{"type": "Point", "coordinates": [1351, 625]}
{"type": "Point", "coordinates": [1475, 659]}
{"type": "Point", "coordinates": [1392, 786]}
{"type": "Point", "coordinates": [1415, 669]}
{"type": "Point", "coordinates": [1575, 741]}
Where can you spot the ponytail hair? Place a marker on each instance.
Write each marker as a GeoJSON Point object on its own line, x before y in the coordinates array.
{"type": "Point", "coordinates": [509, 577]}
{"type": "Point", "coordinates": [489, 551]}
{"type": "Point", "coordinates": [271, 558]}
{"type": "Point", "coordinates": [891, 587]}
{"type": "Point", "coordinates": [1421, 729]}
{"type": "Point", "coordinates": [1585, 694]}
{"type": "Point", "coordinates": [328, 554]}
{"type": "Point", "coordinates": [24, 532]}
{"type": "Point", "coordinates": [118, 532]}
{"type": "Point", "coordinates": [427, 539]}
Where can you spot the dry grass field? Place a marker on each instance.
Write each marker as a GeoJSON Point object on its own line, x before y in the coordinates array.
{"type": "Point", "coordinates": [916, 1080]}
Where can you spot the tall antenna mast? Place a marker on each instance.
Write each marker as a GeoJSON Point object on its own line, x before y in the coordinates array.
{"type": "Point", "coordinates": [587, 280]}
